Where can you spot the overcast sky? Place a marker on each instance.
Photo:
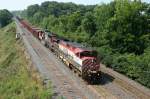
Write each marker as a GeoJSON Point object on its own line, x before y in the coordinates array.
{"type": "Point", "coordinates": [22, 4]}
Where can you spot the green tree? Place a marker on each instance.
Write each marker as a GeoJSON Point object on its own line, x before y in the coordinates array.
{"type": "Point", "coordinates": [74, 20]}
{"type": "Point", "coordinates": [88, 24]}
{"type": "Point", "coordinates": [128, 27]}
{"type": "Point", "coordinates": [5, 17]}
{"type": "Point", "coordinates": [50, 22]}
{"type": "Point", "coordinates": [31, 10]}
{"type": "Point", "coordinates": [103, 13]}
{"type": "Point", "coordinates": [38, 18]}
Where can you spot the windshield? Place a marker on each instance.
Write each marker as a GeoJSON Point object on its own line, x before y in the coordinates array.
{"type": "Point", "coordinates": [88, 54]}
{"type": "Point", "coordinates": [47, 31]}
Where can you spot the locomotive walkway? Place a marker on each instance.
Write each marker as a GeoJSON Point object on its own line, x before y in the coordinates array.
{"type": "Point", "coordinates": [67, 84]}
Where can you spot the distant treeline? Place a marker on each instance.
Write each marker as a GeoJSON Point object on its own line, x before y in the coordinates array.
{"type": "Point", "coordinates": [120, 31]}
{"type": "Point", "coordinates": [5, 17]}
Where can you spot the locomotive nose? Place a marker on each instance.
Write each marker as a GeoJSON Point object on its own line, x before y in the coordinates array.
{"type": "Point", "coordinates": [94, 67]}
{"type": "Point", "coordinates": [91, 64]}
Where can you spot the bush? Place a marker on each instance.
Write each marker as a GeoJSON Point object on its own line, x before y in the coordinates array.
{"type": "Point", "coordinates": [105, 54]}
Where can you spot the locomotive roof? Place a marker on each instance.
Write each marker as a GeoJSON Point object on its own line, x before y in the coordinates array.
{"type": "Point", "coordinates": [80, 46]}
{"type": "Point", "coordinates": [37, 29]}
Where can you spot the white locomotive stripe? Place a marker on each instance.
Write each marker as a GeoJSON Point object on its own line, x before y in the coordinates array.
{"type": "Point", "coordinates": [70, 53]}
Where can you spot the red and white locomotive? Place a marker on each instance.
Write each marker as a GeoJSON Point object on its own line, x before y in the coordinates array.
{"type": "Point", "coordinates": [77, 57]}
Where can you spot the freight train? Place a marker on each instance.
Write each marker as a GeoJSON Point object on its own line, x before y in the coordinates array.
{"type": "Point", "coordinates": [77, 57]}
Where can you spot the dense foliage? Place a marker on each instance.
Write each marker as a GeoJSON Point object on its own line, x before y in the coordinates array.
{"type": "Point", "coordinates": [120, 31]}
{"type": "Point", "coordinates": [5, 17]}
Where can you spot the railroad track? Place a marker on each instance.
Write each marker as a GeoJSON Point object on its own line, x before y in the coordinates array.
{"type": "Point", "coordinates": [70, 85]}
{"type": "Point", "coordinates": [128, 85]}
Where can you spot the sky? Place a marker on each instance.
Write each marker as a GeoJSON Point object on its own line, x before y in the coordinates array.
{"type": "Point", "coordinates": [22, 4]}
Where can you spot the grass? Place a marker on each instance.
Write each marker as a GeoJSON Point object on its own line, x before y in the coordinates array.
{"type": "Point", "coordinates": [15, 80]}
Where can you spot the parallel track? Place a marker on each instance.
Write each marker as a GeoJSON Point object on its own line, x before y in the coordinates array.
{"type": "Point", "coordinates": [128, 85]}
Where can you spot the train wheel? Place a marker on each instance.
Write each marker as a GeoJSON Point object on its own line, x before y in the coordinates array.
{"type": "Point", "coordinates": [83, 75]}
{"type": "Point", "coordinates": [46, 45]}
{"type": "Point", "coordinates": [52, 49]}
{"type": "Point", "coordinates": [70, 66]}
{"type": "Point", "coordinates": [75, 71]}
{"type": "Point", "coordinates": [79, 74]}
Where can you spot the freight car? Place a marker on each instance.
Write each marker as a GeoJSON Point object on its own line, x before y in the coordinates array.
{"type": "Point", "coordinates": [82, 60]}
{"type": "Point", "coordinates": [37, 32]}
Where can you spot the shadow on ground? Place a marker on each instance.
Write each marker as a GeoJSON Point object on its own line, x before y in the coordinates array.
{"type": "Point", "coordinates": [101, 80]}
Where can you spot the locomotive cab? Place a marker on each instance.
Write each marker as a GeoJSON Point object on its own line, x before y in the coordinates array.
{"type": "Point", "coordinates": [90, 63]}
{"type": "Point", "coordinates": [88, 54]}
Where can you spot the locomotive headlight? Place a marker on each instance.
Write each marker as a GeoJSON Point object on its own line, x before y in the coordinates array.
{"type": "Point", "coordinates": [93, 60]}
{"type": "Point", "coordinates": [92, 71]}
